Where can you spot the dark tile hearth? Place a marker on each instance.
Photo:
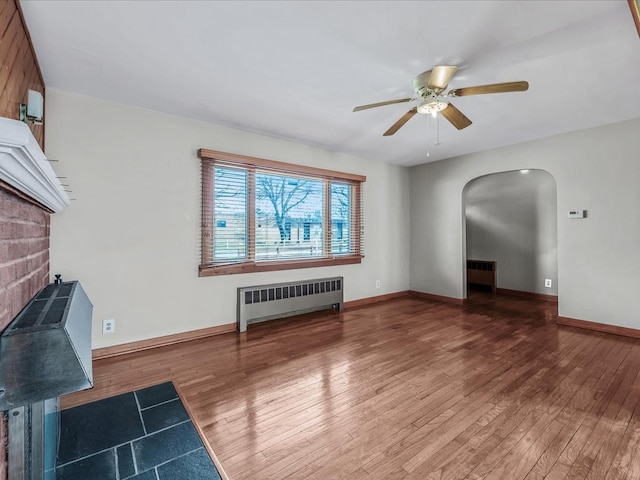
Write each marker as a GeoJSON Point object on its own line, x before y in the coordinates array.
{"type": "Point", "coordinates": [164, 415]}
{"type": "Point", "coordinates": [187, 467]}
{"type": "Point", "coordinates": [126, 467]}
{"type": "Point", "coordinates": [88, 429]}
{"type": "Point", "coordinates": [141, 435]}
{"type": "Point", "coordinates": [101, 466]}
{"type": "Point", "coordinates": [156, 395]}
{"type": "Point", "coordinates": [165, 445]}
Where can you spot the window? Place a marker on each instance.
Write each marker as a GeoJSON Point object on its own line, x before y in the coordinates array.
{"type": "Point", "coordinates": [261, 215]}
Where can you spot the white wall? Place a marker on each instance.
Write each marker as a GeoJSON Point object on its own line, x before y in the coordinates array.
{"type": "Point", "coordinates": [598, 257]}
{"type": "Point", "coordinates": [132, 236]}
{"type": "Point", "coordinates": [511, 219]}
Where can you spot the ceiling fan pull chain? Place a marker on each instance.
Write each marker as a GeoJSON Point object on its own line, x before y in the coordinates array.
{"type": "Point", "coordinates": [428, 120]}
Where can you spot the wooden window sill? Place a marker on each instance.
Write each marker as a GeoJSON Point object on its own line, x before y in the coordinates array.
{"type": "Point", "coordinates": [251, 267]}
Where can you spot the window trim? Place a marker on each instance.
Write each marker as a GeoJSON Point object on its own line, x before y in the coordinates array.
{"type": "Point", "coordinates": [210, 158]}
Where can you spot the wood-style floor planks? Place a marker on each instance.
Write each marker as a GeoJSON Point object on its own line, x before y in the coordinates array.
{"type": "Point", "coordinates": [409, 389]}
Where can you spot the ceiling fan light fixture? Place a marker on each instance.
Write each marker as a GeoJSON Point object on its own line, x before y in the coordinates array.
{"type": "Point", "coordinates": [432, 107]}
{"type": "Point", "coordinates": [429, 87]}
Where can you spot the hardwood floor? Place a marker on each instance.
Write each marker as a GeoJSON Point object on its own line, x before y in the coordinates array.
{"type": "Point", "coordinates": [408, 389]}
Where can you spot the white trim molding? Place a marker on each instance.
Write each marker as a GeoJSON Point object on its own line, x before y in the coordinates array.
{"type": "Point", "coordinates": [24, 166]}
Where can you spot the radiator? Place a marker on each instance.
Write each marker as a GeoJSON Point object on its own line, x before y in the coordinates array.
{"type": "Point", "coordinates": [266, 302]}
{"type": "Point", "coordinates": [482, 272]}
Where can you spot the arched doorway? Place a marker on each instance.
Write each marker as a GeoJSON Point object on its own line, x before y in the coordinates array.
{"type": "Point", "coordinates": [510, 224]}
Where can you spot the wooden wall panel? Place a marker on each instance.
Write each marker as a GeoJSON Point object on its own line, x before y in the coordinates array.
{"type": "Point", "coordinates": [19, 69]}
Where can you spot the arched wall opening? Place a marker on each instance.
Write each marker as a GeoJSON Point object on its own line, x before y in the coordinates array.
{"type": "Point", "coordinates": [510, 218]}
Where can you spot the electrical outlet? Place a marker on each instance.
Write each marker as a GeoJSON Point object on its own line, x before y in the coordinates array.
{"type": "Point", "coordinates": [109, 326]}
{"type": "Point", "coordinates": [377, 283]}
{"type": "Point", "coordinates": [547, 282]}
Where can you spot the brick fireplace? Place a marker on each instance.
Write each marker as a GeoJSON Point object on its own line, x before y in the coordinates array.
{"type": "Point", "coordinates": [24, 265]}
{"type": "Point", "coordinates": [29, 192]}
{"type": "Point", "coordinates": [24, 253]}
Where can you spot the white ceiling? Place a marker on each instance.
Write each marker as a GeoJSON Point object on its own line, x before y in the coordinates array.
{"type": "Point", "coordinates": [295, 70]}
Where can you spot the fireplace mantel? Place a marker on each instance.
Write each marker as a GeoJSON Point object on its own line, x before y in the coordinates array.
{"type": "Point", "coordinates": [24, 166]}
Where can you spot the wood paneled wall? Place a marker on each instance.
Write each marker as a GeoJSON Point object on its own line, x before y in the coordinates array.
{"type": "Point", "coordinates": [19, 71]}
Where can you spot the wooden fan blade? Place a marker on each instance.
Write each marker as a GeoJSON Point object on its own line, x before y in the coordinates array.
{"type": "Point", "coordinates": [403, 119]}
{"type": "Point", "coordinates": [456, 117]}
{"type": "Point", "coordinates": [492, 88]}
{"type": "Point", "coordinates": [381, 104]}
{"type": "Point", "coordinates": [440, 77]}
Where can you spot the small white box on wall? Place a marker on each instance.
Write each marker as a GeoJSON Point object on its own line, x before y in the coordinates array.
{"type": "Point", "coordinates": [577, 214]}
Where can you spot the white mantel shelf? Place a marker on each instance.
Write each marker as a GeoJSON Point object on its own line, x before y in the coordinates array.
{"type": "Point", "coordinates": [24, 166]}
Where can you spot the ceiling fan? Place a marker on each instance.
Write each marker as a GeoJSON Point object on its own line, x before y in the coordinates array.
{"type": "Point", "coordinates": [429, 87]}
